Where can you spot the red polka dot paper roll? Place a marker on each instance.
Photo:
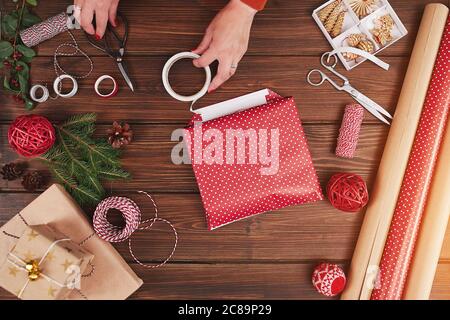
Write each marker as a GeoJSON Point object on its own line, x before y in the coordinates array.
{"type": "Point", "coordinates": [237, 189]}
{"type": "Point", "coordinates": [399, 247]}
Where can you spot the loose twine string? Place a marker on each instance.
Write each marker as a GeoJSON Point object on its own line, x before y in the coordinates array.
{"type": "Point", "coordinates": [132, 216]}
{"type": "Point", "coordinates": [59, 53]}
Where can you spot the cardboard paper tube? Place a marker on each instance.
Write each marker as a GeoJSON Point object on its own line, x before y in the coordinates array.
{"type": "Point", "coordinates": [432, 233]}
{"type": "Point", "coordinates": [400, 243]}
{"type": "Point", "coordinates": [369, 248]}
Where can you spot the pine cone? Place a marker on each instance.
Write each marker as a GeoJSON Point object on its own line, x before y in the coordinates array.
{"type": "Point", "coordinates": [33, 180]}
{"type": "Point", "coordinates": [120, 135]}
{"type": "Point", "coordinates": [12, 171]}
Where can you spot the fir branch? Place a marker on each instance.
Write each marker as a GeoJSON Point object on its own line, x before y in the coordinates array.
{"type": "Point", "coordinates": [88, 146]}
{"type": "Point", "coordinates": [80, 162]}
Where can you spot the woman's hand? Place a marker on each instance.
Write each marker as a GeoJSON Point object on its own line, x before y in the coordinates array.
{"type": "Point", "coordinates": [104, 10]}
{"type": "Point", "coordinates": [226, 40]}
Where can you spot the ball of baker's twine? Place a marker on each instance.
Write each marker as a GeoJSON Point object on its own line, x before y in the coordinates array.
{"type": "Point", "coordinates": [132, 215]}
{"type": "Point", "coordinates": [347, 192]}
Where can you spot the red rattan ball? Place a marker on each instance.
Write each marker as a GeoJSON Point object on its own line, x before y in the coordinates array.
{"type": "Point", "coordinates": [347, 192]}
{"type": "Point", "coordinates": [31, 135]}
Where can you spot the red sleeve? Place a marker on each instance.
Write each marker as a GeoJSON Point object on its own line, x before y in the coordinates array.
{"type": "Point", "coordinates": [255, 4]}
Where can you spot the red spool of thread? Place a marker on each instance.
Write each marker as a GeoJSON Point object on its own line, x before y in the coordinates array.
{"type": "Point", "coordinates": [31, 135]}
{"type": "Point", "coordinates": [329, 279]}
{"type": "Point", "coordinates": [349, 131]}
{"type": "Point", "coordinates": [347, 192]}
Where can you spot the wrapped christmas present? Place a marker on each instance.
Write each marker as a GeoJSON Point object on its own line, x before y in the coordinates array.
{"type": "Point", "coordinates": [111, 277]}
{"type": "Point", "coordinates": [44, 264]}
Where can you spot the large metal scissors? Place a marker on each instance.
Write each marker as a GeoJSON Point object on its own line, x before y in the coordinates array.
{"type": "Point", "coordinates": [116, 52]}
{"type": "Point", "coordinates": [370, 105]}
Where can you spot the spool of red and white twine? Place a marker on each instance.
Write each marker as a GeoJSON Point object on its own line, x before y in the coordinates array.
{"type": "Point", "coordinates": [132, 215]}
{"type": "Point", "coordinates": [349, 131]}
{"type": "Point", "coordinates": [45, 30]}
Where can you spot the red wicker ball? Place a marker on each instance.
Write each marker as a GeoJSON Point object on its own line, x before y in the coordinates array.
{"type": "Point", "coordinates": [347, 192]}
{"type": "Point", "coordinates": [31, 135]}
{"type": "Point", "coordinates": [329, 279]}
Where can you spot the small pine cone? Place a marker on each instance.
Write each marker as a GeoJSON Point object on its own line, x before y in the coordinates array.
{"type": "Point", "coordinates": [332, 18]}
{"type": "Point", "coordinates": [337, 29]}
{"type": "Point", "coordinates": [355, 38]}
{"type": "Point", "coordinates": [120, 135]}
{"type": "Point", "coordinates": [325, 12]}
{"type": "Point", "coordinates": [366, 45]}
{"type": "Point", "coordinates": [12, 171]}
{"type": "Point", "coordinates": [33, 180]}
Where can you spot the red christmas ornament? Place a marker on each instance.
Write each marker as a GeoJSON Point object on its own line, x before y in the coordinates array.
{"type": "Point", "coordinates": [347, 192]}
{"type": "Point", "coordinates": [31, 135]}
{"type": "Point", "coordinates": [328, 279]}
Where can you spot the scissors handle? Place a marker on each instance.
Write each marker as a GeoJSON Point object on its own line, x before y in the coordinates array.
{"type": "Point", "coordinates": [323, 77]}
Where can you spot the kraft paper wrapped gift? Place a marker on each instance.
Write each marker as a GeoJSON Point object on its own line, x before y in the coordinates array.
{"type": "Point", "coordinates": [112, 278]}
{"type": "Point", "coordinates": [55, 264]}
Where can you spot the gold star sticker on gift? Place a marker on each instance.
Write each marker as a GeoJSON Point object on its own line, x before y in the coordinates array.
{"type": "Point", "coordinates": [32, 235]}
{"type": "Point", "coordinates": [66, 264]}
{"type": "Point", "coordinates": [51, 291]}
{"type": "Point", "coordinates": [49, 256]}
{"type": "Point", "coordinates": [13, 271]}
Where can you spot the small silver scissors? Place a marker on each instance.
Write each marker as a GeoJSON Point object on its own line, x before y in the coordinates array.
{"type": "Point", "coordinates": [367, 103]}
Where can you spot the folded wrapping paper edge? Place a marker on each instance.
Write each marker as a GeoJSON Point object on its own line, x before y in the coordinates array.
{"type": "Point", "coordinates": [83, 228]}
{"type": "Point", "coordinates": [432, 233]}
{"type": "Point", "coordinates": [378, 214]}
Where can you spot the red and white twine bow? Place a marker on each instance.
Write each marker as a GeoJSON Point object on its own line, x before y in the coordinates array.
{"type": "Point", "coordinates": [132, 215]}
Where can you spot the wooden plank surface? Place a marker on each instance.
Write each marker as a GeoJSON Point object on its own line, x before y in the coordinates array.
{"type": "Point", "coordinates": [267, 257]}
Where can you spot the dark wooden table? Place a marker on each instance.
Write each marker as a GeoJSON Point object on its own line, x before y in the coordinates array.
{"type": "Point", "coordinates": [266, 257]}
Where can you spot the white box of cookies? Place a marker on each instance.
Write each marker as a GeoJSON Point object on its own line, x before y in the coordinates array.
{"type": "Point", "coordinates": [369, 25]}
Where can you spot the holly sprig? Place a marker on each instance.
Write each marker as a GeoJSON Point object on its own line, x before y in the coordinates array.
{"type": "Point", "coordinates": [15, 56]}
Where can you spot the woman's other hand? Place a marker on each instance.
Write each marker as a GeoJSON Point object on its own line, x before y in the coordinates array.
{"type": "Point", "coordinates": [226, 40]}
{"type": "Point", "coordinates": [103, 10]}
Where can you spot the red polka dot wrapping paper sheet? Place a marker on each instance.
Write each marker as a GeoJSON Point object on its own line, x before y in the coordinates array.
{"type": "Point", "coordinates": [231, 192]}
{"type": "Point", "coordinates": [399, 246]}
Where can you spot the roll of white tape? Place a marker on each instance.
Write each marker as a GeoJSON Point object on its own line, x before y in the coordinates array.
{"type": "Point", "coordinates": [168, 87]}
{"type": "Point", "coordinates": [57, 82]}
{"type": "Point", "coordinates": [114, 90]}
{"type": "Point", "coordinates": [45, 93]}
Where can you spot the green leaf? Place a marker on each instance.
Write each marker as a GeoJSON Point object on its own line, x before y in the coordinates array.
{"type": "Point", "coordinates": [29, 104]}
{"type": "Point", "coordinates": [23, 81]}
{"type": "Point", "coordinates": [29, 19]}
{"type": "Point", "coordinates": [32, 2]}
{"type": "Point", "coordinates": [8, 87]}
{"type": "Point", "coordinates": [6, 49]}
{"type": "Point", "coordinates": [27, 52]}
{"type": "Point", "coordinates": [9, 24]}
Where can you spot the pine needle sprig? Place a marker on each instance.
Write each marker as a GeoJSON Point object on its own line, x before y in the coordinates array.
{"type": "Point", "coordinates": [79, 162]}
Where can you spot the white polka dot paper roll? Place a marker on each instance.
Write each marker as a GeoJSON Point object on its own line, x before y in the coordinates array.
{"type": "Point", "coordinates": [399, 247]}
{"type": "Point", "coordinates": [231, 192]}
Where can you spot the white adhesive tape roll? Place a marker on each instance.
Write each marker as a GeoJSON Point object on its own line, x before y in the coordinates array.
{"type": "Point", "coordinates": [57, 82]}
{"type": "Point", "coordinates": [45, 93]}
{"type": "Point", "coordinates": [168, 87]}
{"type": "Point", "coordinates": [100, 80]}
